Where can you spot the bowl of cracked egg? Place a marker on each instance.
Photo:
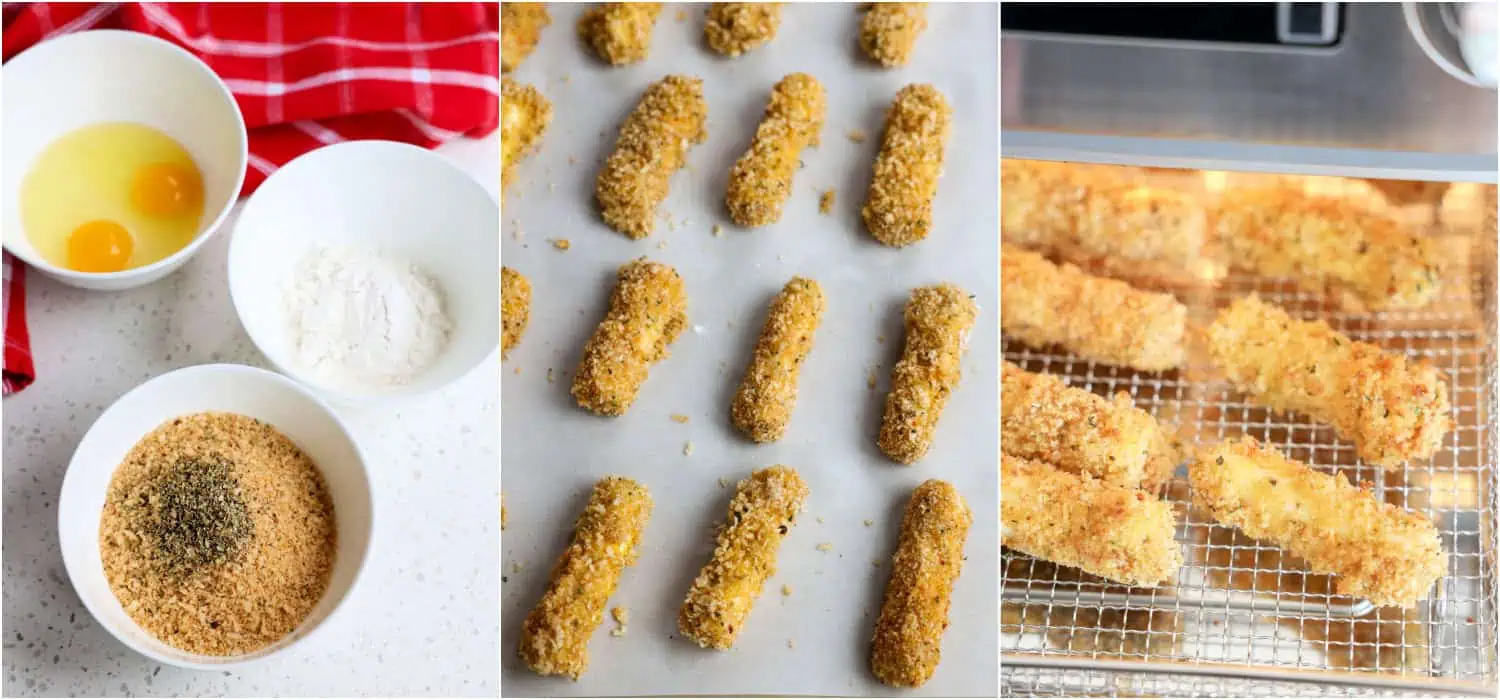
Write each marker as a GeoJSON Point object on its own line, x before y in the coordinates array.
{"type": "Point", "coordinates": [122, 154]}
{"type": "Point", "coordinates": [215, 515]}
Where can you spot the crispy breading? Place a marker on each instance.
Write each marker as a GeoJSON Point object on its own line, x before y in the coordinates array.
{"type": "Point", "coordinates": [1328, 245]}
{"type": "Point", "coordinates": [762, 406]}
{"type": "Point", "coordinates": [619, 32]}
{"type": "Point", "coordinates": [907, 644]}
{"type": "Point", "coordinates": [555, 638]}
{"type": "Point", "coordinates": [1378, 551]}
{"type": "Point", "coordinates": [764, 508]}
{"type": "Point", "coordinates": [1043, 418]}
{"type": "Point", "coordinates": [515, 308]}
{"type": "Point", "coordinates": [524, 116]}
{"type": "Point", "coordinates": [521, 25]}
{"type": "Point", "coordinates": [761, 179]}
{"type": "Point", "coordinates": [647, 312]}
{"type": "Point", "coordinates": [938, 320]}
{"type": "Point", "coordinates": [1116, 532]}
{"type": "Point", "coordinates": [889, 31]}
{"type": "Point", "coordinates": [898, 210]}
{"type": "Point", "coordinates": [653, 144]}
{"type": "Point", "coordinates": [1392, 408]}
{"type": "Point", "coordinates": [732, 28]}
{"type": "Point", "coordinates": [1096, 318]}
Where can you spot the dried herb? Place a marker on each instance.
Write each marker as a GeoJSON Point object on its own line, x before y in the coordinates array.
{"type": "Point", "coordinates": [199, 516]}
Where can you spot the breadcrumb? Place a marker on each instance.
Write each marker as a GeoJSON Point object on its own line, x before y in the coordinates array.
{"type": "Point", "coordinates": [619, 32]}
{"type": "Point", "coordinates": [515, 308]}
{"type": "Point", "coordinates": [786, 589]}
{"type": "Point", "coordinates": [562, 244]}
{"type": "Point", "coordinates": [524, 116]}
{"type": "Point", "coordinates": [890, 30]}
{"type": "Point", "coordinates": [898, 211]}
{"type": "Point", "coordinates": [938, 320]}
{"type": "Point", "coordinates": [763, 405]}
{"type": "Point", "coordinates": [907, 644]}
{"type": "Point", "coordinates": [857, 135]}
{"type": "Point", "coordinates": [652, 145]}
{"type": "Point", "coordinates": [1393, 408]}
{"type": "Point", "coordinates": [554, 640]}
{"type": "Point", "coordinates": [1377, 551]}
{"type": "Point", "coordinates": [732, 28]}
{"type": "Point", "coordinates": [679, 418]}
{"type": "Point", "coordinates": [687, 448]}
{"type": "Point", "coordinates": [1112, 531]}
{"type": "Point", "coordinates": [521, 25]}
{"type": "Point", "coordinates": [825, 202]}
{"type": "Point", "coordinates": [761, 179]}
{"type": "Point", "coordinates": [647, 312]}
{"type": "Point", "coordinates": [763, 510]}
{"type": "Point", "coordinates": [825, 547]}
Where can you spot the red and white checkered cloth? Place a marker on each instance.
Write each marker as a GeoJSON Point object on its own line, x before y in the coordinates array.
{"type": "Point", "coordinates": [305, 75]}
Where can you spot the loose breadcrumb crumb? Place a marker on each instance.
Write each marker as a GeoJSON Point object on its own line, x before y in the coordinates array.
{"type": "Point", "coordinates": [786, 589]}
{"type": "Point", "coordinates": [869, 522]}
{"type": "Point", "coordinates": [857, 135]}
{"type": "Point", "coordinates": [679, 418]}
{"type": "Point", "coordinates": [825, 202]}
{"type": "Point", "coordinates": [687, 448]}
{"type": "Point", "coordinates": [562, 244]}
{"type": "Point", "coordinates": [825, 546]}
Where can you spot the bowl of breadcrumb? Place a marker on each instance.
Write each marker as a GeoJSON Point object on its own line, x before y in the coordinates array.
{"type": "Point", "coordinates": [215, 516]}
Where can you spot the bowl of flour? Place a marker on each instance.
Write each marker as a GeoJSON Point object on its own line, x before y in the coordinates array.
{"type": "Point", "coordinates": [367, 269]}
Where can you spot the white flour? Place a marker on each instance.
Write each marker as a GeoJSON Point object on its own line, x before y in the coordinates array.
{"type": "Point", "coordinates": [364, 320]}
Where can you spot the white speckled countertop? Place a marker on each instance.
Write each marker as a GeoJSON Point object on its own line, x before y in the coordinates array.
{"type": "Point", "coordinates": [423, 621]}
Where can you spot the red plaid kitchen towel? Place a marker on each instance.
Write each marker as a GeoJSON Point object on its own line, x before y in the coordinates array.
{"type": "Point", "coordinates": [307, 74]}
{"type": "Point", "coordinates": [18, 368]}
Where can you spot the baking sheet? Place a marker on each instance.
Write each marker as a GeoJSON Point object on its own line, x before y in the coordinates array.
{"type": "Point", "coordinates": [814, 641]}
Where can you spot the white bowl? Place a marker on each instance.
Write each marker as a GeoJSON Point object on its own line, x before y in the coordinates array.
{"type": "Point", "coordinates": [247, 391]}
{"type": "Point", "coordinates": [388, 197]}
{"type": "Point", "coordinates": [102, 76]}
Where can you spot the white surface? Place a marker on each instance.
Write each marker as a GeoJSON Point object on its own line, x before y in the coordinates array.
{"type": "Point", "coordinates": [115, 76]}
{"type": "Point", "coordinates": [247, 391]}
{"type": "Point", "coordinates": [422, 620]}
{"type": "Point", "coordinates": [553, 451]}
{"type": "Point", "coordinates": [389, 198]}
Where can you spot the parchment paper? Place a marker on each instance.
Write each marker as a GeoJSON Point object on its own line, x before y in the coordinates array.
{"type": "Point", "coordinates": [816, 640]}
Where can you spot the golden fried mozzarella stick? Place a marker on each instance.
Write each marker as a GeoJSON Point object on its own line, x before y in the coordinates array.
{"type": "Point", "coordinates": [1078, 431]}
{"type": "Point", "coordinates": [646, 313]}
{"type": "Point", "coordinates": [1392, 408]}
{"type": "Point", "coordinates": [1115, 532]}
{"type": "Point", "coordinates": [1089, 213]}
{"type": "Point", "coordinates": [732, 28]}
{"type": "Point", "coordinates": [515, 308]}
{"type": "Point", "coordinates": [890, 30]}
{"type": "Point", "coordinates": [762, 178]}
{"type": "Point", "coordinates": [521, 26]}
{"type": "Point", "coordinates": [1096, 318]}
{"type": "Point", "coordinates": [555, 639]}
{"type": "Point", "coordinates": [1377, 551]}
{"type": "Point", "coordinates": [524, 115]}
{"type": "Point", "coordinates": [619, 32]}
{"type": "Point", "coordinates": [653, 144]}
{"type": "Point", "coordinates": [764, 508]}
{"type": "Point", "coordinates": [929, 555]}
{"type": "Point", "coordinates": [762, 407]}
{"type": "Point", "coordinates": [898, 211]}
{"type": "Point", "coordinates": [1328, 244]}
{"type": "Point", "coordinates": [938, 320]}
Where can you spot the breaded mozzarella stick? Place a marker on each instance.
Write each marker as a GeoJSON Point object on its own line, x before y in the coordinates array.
{"type": "Point", "coordinates": [732, 28]}
{"type": "Point", "coordinates": [889, 30]}
{"type": "Point", "coordinates": [929, 556]}
{"type": "Point", "coordinates": [1393, 408]}
{"type": "Point", "coordinates": [763, 405]}
{"type": "Point", "coordinates": [898, 211]}
{"type": "Point", "coordinates": [555, 639]}
{"type": "Point", "coordinates": [1114, 532]}
{"type": "Point", "coordinates": [515, 308]}
{"type": "Point", "coordinates": [1376, 550]}
{"type": "Point", "coordinates": [653, 144]}
{"type": "Point", "coordinates": [1096, 318]}
{"type": "Point", "coordinates": [524, 115]}
{"type": "Point", "coordinates": [619, 32]}
{"type": "Point", "coordinates": [521, 26]}
{"type": "Point", "coordinates": [764, 508]}
{"type": "Point", "coordinates": [646, 313]}
{"type": "Point", "coordinates": [938, 320]}
{"type": "Point", "coordinates": [1078, 431]}
{"type": "Point", "coordinates": [762, 178]}
{"type": "Point", "coordinates": [1329, 244]}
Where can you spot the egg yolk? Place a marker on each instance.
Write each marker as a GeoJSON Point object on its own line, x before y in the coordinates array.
{"type": "Point", "coordinates": [99, 246]}
{"type": "Point", "coordinates": [166, 190]}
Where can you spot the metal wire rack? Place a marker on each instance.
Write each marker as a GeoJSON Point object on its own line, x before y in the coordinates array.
{"type": "Point", "coordinates": [1241, 608]}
